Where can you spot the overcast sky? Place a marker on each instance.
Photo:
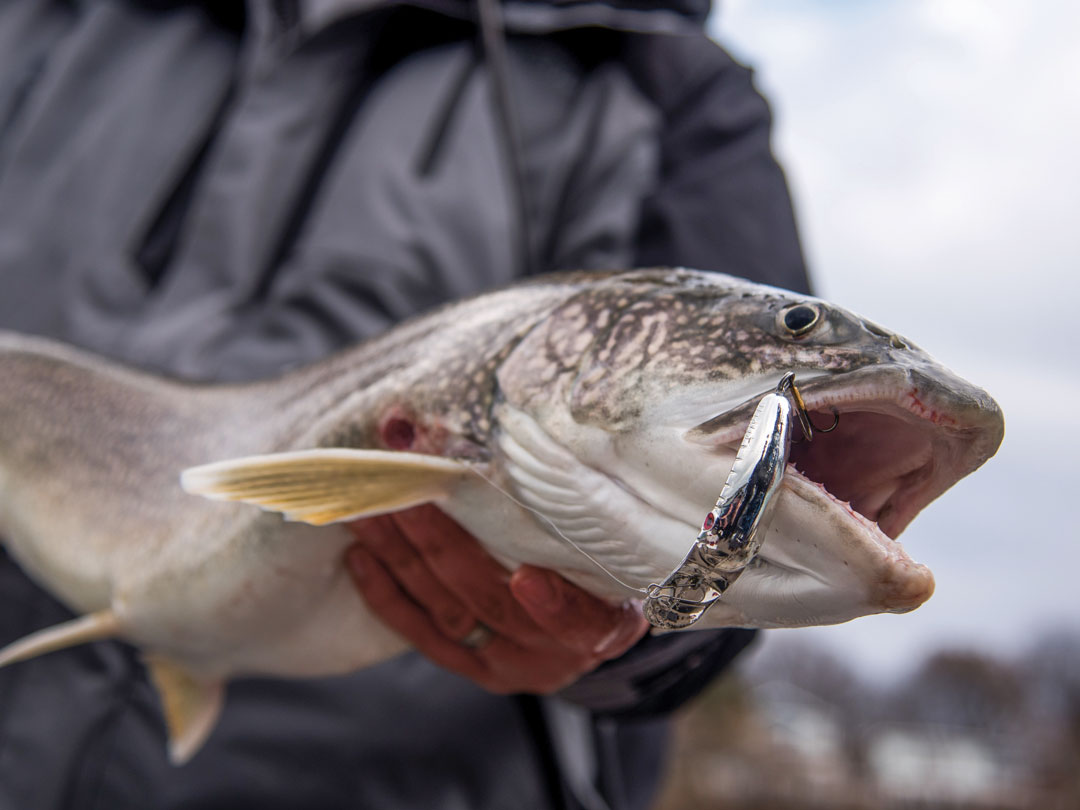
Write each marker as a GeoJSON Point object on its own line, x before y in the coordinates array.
{"type": "Point", "coordinates": [933, 148]}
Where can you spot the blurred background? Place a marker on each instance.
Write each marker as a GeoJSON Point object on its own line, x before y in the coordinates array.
{"type": "Point", "coordinates": [933, 149]}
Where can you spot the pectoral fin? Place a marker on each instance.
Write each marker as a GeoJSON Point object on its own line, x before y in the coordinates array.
{"type": "Point", "coordinates": [583, 505]}
{"type": "Point", "coordinates": [191, 706]}
{"type": "Point", "coordinates": [329, 485]}
{"type": "Point", "coordinates": [91, 627]}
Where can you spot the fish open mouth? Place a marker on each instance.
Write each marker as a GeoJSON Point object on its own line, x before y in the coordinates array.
{"type": "Point", "coordinates": [883, 465]}
{"type": "Point", "coordinates": [901, 440]}
{"type": "Point", "coordinates": [903, 437]}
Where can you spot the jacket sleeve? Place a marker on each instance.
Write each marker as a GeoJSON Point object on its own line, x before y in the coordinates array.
{"type": "Point", "coordinates": [660, 673]}
{"type": "Point", "coordinates": [721, 203]}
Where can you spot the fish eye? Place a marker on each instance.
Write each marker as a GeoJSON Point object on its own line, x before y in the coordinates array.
{"type": "Point", "coordinates": [799, 319]}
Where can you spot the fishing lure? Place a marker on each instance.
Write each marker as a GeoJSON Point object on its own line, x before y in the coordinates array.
{"type": "Point", "coordinates": [734, 530]}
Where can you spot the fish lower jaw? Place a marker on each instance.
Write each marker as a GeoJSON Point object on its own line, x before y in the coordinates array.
{"type": "Point", "coordinates": [809, 488]}
{"type": "Point", "coordinates": [821, 562]}
{"type": "Point", "coordinates": [893, 581]}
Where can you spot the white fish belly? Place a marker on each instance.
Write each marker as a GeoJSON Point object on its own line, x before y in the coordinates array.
{"type": "Point", "coordinates": [277, 600]}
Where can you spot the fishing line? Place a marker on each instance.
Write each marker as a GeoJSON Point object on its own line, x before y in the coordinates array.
{"type": "Point", "coordinates": [647, 592]}
{"type": "Point", "coordinates": [551, 523]}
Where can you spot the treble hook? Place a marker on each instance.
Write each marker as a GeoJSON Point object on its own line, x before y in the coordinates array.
{"type": "Point", "coordinates": [786, 386]}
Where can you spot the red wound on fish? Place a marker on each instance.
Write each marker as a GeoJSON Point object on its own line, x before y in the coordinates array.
{"type": "Point", "coordinates": [398, 433]}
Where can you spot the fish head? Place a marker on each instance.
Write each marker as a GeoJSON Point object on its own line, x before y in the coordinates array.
{"type": "Point", "coordinates": [649, 380]}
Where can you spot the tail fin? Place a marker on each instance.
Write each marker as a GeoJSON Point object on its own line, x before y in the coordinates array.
{"type": "Point", "coordinates": [91, 627]}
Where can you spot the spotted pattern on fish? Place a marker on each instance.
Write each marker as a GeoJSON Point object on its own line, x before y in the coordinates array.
{"type": "Point", "coordinates": [590, 340]}
{"type": "Point", "coordinates": [671, 328]}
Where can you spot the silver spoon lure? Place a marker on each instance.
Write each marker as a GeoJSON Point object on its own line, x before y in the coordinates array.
{"type": "Point", "coordinates": [734, 530]}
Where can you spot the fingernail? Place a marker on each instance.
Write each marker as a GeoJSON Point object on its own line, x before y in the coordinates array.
{"type": "Point", "coordinates": [631, 626]}
{"type": "Point", "coordinates": [536, 588]}
{"type": "Point", "coordinates": [609, 643]}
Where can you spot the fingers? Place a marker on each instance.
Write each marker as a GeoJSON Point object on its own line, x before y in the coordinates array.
{"type": "Point", "coordinates": [390, 603]}
{"type": "Point", "coordinates": [469, 572]}
{"type": "Point", "coordinates": [384, 540]}
{"type": "Point", "coordinates": [432, 582]}
{"type": "Point", "coordinates": [501, 666]}
{"type": "Point", "coordinates": [582, 621]}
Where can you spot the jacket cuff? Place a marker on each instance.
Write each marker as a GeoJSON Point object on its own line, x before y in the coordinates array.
{"type": "Point", "coordinates": [659, 674]}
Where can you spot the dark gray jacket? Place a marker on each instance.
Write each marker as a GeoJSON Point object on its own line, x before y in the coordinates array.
{"type": "Point", "coordinates": [221, 193]}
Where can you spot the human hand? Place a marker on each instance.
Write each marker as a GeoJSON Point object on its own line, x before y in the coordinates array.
{"type": "Point", "coordinates": [530, 631]}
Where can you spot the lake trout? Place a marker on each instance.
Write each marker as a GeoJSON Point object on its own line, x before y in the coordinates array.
{"type": "Point", "coordinates": [580, 422]}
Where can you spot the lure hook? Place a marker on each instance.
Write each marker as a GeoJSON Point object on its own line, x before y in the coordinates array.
{"type": "Point", "coordinates": [787, 387]}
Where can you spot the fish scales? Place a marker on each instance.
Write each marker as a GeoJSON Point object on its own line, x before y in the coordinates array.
{"type": "Point", "coordinates": [589, 412]}
{"type": "Point", "coordinates": [604, 342]}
